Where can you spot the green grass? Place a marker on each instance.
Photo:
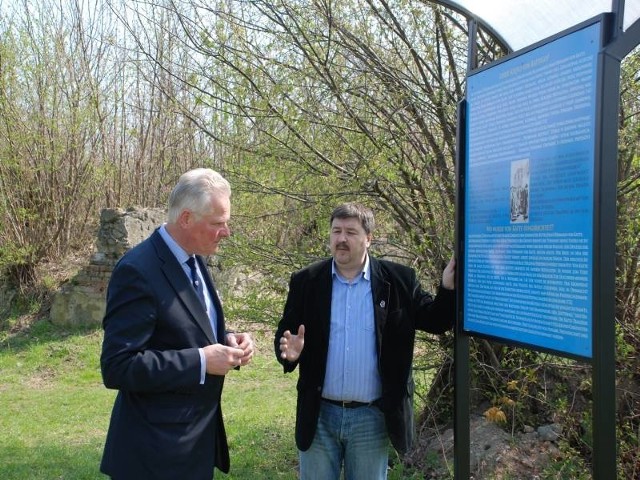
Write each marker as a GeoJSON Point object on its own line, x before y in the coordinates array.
{"type": "Point", "coordinates": [54, 409]}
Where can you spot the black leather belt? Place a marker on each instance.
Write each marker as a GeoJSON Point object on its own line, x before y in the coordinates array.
{"type": "Point", "coordinates": [344, 404]}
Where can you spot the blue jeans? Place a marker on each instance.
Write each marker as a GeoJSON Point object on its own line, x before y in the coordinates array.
{"type": "Point", "coordinates": [356, 437]}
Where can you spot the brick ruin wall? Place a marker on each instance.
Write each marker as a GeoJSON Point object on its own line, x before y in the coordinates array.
{"type": "Point", "coordinates": [82, 299]}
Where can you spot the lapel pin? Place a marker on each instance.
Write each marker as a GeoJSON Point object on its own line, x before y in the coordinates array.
{"type": "Point", "coordinates": [382, 303]}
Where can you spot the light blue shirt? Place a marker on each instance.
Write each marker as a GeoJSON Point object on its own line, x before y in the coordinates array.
{"type": "Point", "coordinates": [352, 361]}
{"type": "Point", "coordinates": [182, 258]}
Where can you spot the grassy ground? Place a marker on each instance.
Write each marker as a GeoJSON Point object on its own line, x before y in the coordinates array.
{"type": "Point", "coordinates": [54, 409]}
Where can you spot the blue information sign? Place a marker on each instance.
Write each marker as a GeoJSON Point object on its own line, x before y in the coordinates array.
{"type": "Point", "coordinates": [529, 195]}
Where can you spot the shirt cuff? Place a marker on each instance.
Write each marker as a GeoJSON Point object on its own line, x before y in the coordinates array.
{"type": "Point", "coordinates": [203, 366]}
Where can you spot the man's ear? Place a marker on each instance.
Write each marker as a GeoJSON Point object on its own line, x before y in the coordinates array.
{"type": "Point", "coordinates": [185, 218]}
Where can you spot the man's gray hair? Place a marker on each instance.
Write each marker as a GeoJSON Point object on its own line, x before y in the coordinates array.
{"type": "Point", "coordinates": [194, 190]}
{"type": "Point", "coordinates": [355, 210]}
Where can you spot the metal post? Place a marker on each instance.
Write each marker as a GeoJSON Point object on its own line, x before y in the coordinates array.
{"type": "Point", "coordinates": [603, 365]}
{"type": "Point", "coordinates": [461, 435]}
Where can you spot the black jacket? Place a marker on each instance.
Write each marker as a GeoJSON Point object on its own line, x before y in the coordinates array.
{"type": "Point", "coordinates": [400, 307]}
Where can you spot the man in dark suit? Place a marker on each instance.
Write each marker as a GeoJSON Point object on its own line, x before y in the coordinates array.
{"type": "Point", "coordinates": [165, 346]}
{"type": "Point", "coordinates": [349, 323]}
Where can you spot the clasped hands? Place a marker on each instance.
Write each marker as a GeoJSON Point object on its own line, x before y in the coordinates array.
{"type": "Point", "coordinates": [237, 352]}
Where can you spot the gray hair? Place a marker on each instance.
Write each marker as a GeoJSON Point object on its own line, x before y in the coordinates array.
{"type": "Point", "coordinates": [194, 191]}
{"type": "Point", "coordinates": [355, 210]}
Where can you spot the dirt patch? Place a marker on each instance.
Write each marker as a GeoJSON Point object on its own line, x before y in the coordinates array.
{"type": "Point", "coordinates": [495, 454]}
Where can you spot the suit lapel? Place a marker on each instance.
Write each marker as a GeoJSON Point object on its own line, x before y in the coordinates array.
{"type": "Point", "coordinates": [324, 303]}
{"type": "Point", "coordinates": [321, 301]}
{"type": "Point", "coordinates": [381, 293]}
{"type": "Point", "coordinates": [213, 293]}
{"type": "Point", "coordinates": [175, 276]}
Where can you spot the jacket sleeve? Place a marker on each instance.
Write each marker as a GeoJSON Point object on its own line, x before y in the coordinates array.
{"type": "Point", "coordinates": [434, 315]}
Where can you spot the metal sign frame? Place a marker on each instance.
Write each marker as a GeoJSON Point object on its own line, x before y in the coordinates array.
{"type": "Point", "coordinates": [617, 45]}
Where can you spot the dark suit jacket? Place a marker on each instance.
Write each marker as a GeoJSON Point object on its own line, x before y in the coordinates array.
{"type": "Point", "coordinates": [400, 307]}
{"type": "Point", "coordinates": [164, 424]}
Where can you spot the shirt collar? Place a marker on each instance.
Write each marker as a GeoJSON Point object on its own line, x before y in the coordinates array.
{"type": "Point", "coordinates": [176, 249]}
{"type": "Point", "coordinates": [365, 273]}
